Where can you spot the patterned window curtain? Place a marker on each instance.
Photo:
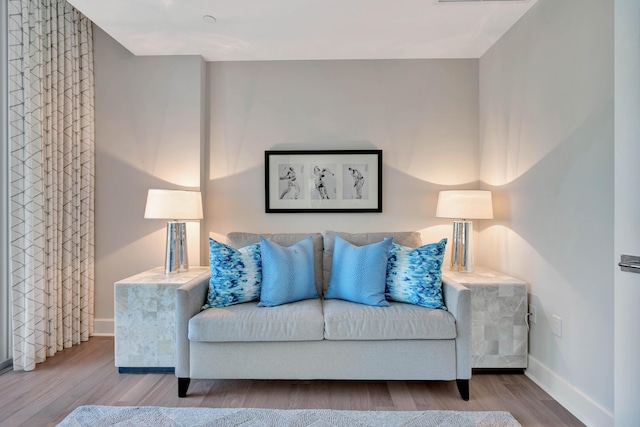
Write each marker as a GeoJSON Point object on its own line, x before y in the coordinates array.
{"type": "Point", "coordinates": [51, 137]}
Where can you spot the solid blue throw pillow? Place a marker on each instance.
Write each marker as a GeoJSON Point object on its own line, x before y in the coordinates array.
{"type": "Point", "coordinates": [236, 274]}
{"type": "Point", "coordinates": [414, 276]}
{"type": "Point", "coordinates": [287, 273]}
{"type": "Point", "coordinates": [358, 272]}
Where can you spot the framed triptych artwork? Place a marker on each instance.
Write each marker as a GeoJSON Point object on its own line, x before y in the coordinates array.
{"type": "Point", "coordinates": [323, 181]}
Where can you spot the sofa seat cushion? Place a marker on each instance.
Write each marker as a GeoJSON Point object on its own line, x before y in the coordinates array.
{"type": "Point", "coordinates": [298, 321]}
{"type": "Point", "coordinates": [344, 320]}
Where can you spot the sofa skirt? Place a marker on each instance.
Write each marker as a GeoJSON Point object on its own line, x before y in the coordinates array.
{"type": "Point", "coordinates": [325, 359]}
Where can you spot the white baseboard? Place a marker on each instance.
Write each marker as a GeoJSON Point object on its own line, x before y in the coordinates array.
{"type": "Point", "coordinates": [103, 327]}
{"type": "Point", "coordinates": [587, 410]}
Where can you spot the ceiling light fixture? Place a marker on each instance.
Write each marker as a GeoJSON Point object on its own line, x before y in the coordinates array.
{"type": "Point", "coordinates": [209, 19]}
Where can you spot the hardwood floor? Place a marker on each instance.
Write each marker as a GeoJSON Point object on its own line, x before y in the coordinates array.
{"type": "Point", "coordinates": [86, 375]}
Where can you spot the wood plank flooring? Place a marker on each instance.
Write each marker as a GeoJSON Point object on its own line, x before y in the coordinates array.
{"type": "Point", "coordinates": [86, 375]}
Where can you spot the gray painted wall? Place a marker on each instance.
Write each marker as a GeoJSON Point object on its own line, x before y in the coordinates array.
{"type": "Point", "coordinates": [148, 135]}
{"type": "Point", "coordinates": [546, 150]}
{"type": "Point", "coordinates": [423, 114]}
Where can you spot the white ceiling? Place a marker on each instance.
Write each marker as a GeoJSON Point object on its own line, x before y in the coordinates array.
{"type": "Point", "coordinates": [305, 29]}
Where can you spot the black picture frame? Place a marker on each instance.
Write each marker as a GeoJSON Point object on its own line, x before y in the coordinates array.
{"type": "Point", "coordinates": [299, 181]}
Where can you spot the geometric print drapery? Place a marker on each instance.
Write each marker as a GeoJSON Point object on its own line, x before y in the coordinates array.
{"type": "Point", "coordinates": [51, 138]}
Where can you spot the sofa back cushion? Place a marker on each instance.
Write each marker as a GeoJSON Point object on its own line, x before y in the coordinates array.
{"type": "Point", "coordinates": [239, 240]}
{"type": "Point", "coordinates": [410, 239]}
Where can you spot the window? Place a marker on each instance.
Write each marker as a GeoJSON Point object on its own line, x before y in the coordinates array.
{"type": "Point", "coordinates": [5, 323]}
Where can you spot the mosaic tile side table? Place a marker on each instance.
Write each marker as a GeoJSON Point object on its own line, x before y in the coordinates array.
{"type": "Point", "coordinates": [499, 308]}
{"type": "Point", "coordinates": [145, 320]}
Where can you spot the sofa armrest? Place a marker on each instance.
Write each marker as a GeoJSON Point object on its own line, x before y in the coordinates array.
{"type": "Point", "coordinates": [190, 298]}
{"type": "Point", "coordinates": [457, 299]}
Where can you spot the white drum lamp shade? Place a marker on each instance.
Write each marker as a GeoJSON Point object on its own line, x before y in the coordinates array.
{"type": "Point", "coordinates": [464, 205]}
{"type": "Point", "coordinates": [176, 205]}
{"type": "Point", "coordinates": [173, 204]}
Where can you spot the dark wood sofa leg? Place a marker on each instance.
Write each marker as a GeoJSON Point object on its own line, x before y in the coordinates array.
{"type": "Point", "coordinates": [183, 386]}
{"type": "Point", "coordinates": [463, 388]}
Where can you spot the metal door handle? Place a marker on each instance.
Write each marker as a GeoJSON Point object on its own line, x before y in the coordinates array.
{"type": "Point", "coordinates": [630, 263]}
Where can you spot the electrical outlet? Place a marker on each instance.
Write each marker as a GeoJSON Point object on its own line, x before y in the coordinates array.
{"type": "Point", "coordinates": [532, 313]}
{"type": "Point", "coordinates": [556, 326]}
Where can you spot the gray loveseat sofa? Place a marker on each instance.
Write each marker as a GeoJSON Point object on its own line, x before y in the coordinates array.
{"type": "Point", "coordinates": [323, 339]}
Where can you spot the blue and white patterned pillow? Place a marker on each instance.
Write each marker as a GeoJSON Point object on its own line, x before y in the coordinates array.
{"type": "Point", "coordinates": [358, 272]}
{"type": "Point", "coordinates": [236, 274]}
{"type": "Point", "coordinates": [414, 276]}
{"type": "Point", "coordinates": [288, 274]}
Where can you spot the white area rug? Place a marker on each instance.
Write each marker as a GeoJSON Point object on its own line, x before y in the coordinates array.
{"type": "Point", "coordinates": [142, 416]}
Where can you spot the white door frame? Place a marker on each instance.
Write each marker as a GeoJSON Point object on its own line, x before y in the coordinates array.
{"type": "Point", "coordinates": [627, 210]}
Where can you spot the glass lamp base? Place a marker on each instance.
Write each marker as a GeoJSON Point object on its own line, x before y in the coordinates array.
{"type": "Point", "coordinates": [176, 259]}
{"type": "Point", "coordinates": [461, 254]}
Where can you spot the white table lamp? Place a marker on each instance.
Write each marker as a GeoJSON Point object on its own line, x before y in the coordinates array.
{"type": "Point", "coordinates": [464, 205]}
{"type": "Point", "coordinates": [176, 205]}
